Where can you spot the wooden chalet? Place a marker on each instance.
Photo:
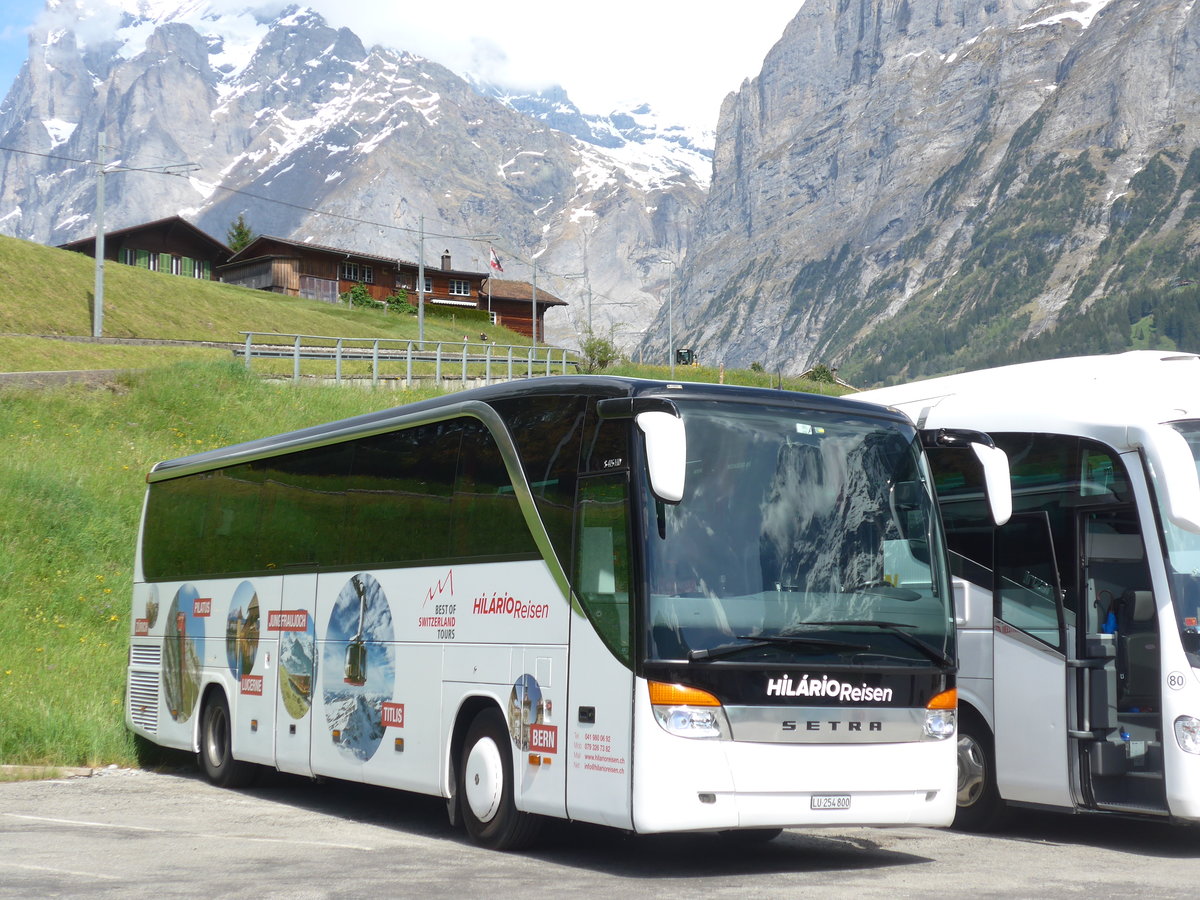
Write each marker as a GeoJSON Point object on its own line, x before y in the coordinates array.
{"type": "Point", "coordinates": [318, 272]}
{"type": "Point", "coordinates": [171, 245]}
{"type": "Point", "coordinates": [308, 270]}
{"type": "Point", "coordinates": [511, 305]}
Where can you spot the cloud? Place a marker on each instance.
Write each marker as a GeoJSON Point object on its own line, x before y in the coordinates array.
{"type": "Point", "coordinates": [682, 59]}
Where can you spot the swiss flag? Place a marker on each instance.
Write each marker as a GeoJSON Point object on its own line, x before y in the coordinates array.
{"type": "Point", "coordinates": [494, 261]}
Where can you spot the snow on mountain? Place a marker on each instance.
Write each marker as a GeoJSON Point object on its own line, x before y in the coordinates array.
{"type": "Point", "coordinates": [359, 720]}
{"type": "Point", "coordinates": [635, 139]}
{"type": "Point", "coordinates": [309, 134]}
{"type": "Point", "coordinates": [295, 652]}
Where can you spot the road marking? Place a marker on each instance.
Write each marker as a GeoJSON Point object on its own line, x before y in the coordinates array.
{"type": "Point", "coordinates": [80, 824]}
{"type": "Point", "coordinates": [61, 871]}
{"type": "Point", "coordinates": [194, 834]}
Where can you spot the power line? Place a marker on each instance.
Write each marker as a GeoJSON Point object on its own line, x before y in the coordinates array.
{"type": "Point", "coordinates": [296, 206]}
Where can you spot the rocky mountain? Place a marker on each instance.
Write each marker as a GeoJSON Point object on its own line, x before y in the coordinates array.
{"type": "Point", "coordinates": [312, 135]}
{"type": "Point", "coordinates": [911, 187]}
{"type": "Point", "coordinates": [619, 128]}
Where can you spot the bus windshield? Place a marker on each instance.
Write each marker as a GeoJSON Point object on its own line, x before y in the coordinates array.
{"type": "Point", "coordinates": [1183, 558]}
{"type": "Point", "coordinates": [802, 535]}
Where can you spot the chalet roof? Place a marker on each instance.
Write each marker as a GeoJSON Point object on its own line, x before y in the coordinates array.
{"type": "Point", "coordinates": [518, 290]}
{"type": "Point", "coordinates": [259, 249]}
{"type": "Point", "coordinates": [88, 244]}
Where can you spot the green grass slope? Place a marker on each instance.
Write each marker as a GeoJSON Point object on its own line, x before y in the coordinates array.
{"type": "Point", "coordinates": [46, 291]}
{"type": "Point", "coordinates": [71, 485]}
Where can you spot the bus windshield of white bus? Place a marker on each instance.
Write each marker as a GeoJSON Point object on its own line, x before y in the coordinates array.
{"type": "Point", "coordinates": [1183, 557]}
{"type": "Point", "coordinates": [802, 535]}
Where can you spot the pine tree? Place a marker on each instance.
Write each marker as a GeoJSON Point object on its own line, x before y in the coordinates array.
{"type": "Point", "coordinates": [239, 234]}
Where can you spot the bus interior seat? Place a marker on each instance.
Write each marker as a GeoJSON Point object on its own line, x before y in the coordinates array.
{"type": "Point", "coordinates": [1137, 649]}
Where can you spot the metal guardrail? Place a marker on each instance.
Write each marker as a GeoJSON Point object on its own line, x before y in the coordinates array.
{"type": "Point", "coordinates": [509, 361]}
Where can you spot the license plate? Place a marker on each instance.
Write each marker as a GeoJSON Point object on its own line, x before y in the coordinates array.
{"type": "Point", "coordinates": [831, 801]}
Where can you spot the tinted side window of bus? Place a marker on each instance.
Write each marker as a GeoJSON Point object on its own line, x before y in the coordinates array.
{"type": "Point", "coordinates": [605, 443]}
{"type": "Point", "coordinates": [400, 494]}
{"type": "Point", "coordinates": [303, 507]}
{"type": "Point", "coordinates": [432, 492]}
{"type": "Point", "coordinates": [487, 515]}
{"type": "Point", "coordinates": [958, 477]}
{"type": "Point", "coordinates": [548, 432]}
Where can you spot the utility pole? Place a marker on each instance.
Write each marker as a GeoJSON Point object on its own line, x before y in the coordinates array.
{"type": "Point", "coordinates": [533, 321]}
{"type": "Point", "coordinates": [587, 283]}
{"type": "Point", "coordinates": [101, 171]}
{"type": "Point", "coordinates": [671, 313]}
{"type": "Point", "coordinates": [421, 278]}
{"type": "Point", "coordinates": [98, 291]}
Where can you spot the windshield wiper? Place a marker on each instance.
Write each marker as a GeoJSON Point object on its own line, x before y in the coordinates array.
{"type": "Point", "coordinates": [768, 640]}
{"type": "Point", "coordinates": [896, 628]}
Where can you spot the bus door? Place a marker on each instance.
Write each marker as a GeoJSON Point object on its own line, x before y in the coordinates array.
{"type": "Point", "coordinates": [294, 629]}
{"type": "Point", "coordinates": [1030, 665]}
{"type": "Point", "coordinates": [600, 683]}
{"type": "Point", "coordinates": [1121, 730]}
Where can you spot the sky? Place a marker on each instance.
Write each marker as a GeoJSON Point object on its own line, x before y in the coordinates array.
{"type": "Point", "coordinates": [681, 58]}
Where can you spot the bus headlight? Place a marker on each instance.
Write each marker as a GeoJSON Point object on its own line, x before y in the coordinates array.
{"type": "Point", "coordinates": [688, 712]}
{"type": "Point", "coordinates": [1187, 733]}
{"type": "Point", "coordinates": [941, 715]}
{"type": "Point", "coordinates": [940, 723]}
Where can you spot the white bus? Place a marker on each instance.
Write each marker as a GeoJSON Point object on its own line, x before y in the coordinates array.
{"type": "Point", "coordinates": [655, 606]}
{"type": "Point", "coordinates": [1079, 619]}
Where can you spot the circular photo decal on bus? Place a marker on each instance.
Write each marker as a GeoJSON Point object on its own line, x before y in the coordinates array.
{"type": "Point", "coordinates": [296, 668]}
{"type": "Point", "coordinates": [524, 709]}
{"type": "Point", "coordinates": [241, 630]}
{"type": "Point", "coordinates": [183, 648]}
{"type": "Point", "coordinates": [358, 666]}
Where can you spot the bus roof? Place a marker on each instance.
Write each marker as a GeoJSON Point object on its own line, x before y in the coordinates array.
{"type": "Point", "coordinates": [583, 385]}
{"type": "Point", "coordinates": [1088, 396]}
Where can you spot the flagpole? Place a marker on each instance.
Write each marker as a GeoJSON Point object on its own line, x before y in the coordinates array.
{"type": "Point", "coordinates": [493, 263]}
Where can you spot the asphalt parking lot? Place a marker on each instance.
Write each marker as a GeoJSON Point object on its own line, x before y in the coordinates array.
{"type": "Point", "coordinates": [122, 833]}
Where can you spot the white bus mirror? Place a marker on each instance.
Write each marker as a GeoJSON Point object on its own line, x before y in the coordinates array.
{"type": "Point", "coordinates": [1175, 473]}
{"type": "Point", "coordinates": [666, 453]}
{"type": "Point", "coordinates": [996, 479]}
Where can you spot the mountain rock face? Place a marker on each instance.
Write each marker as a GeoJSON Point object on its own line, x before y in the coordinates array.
{"type": "Point", "coordinates": [910, 187]}
{"type": "Point", "coordinates": [287, 115]}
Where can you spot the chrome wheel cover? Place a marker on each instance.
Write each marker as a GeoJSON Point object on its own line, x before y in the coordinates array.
{"type": "Point", "coordinates": [972, 770]}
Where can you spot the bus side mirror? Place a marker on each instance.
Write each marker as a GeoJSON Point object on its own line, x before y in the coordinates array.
{"type": "Point", "coordinates": [997, 477]}
{"type": "Point", "coordinates": [998, 480]}
{"type": "Point", "coordinates": [666, 453]}
{"type": "Point", "coordinates": [1175, 473]}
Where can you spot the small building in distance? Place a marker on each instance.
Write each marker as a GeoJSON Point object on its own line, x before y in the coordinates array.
{"type": "Point", "coordinates": [314, 271]}
{"type": "Point", "coordinates": [172, 245]}
{"type": "Point", "coordinates": [511, 305]}
{"type": "Point", "coordinates": [302, 269]}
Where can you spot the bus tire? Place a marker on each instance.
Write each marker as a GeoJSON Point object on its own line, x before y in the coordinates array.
{"type": "Point", "coordinates": [979, 805]}
{"type": "Point", "coordinates": [485, 786]}
{"type": "Point", "coordinates": [216, 746]}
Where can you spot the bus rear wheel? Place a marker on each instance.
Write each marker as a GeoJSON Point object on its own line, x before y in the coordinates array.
{"type": "Point", "coordinates": [485, 784]}
{"type": "Point", "coordinates": [979, 805]}
{"type": "Point", "coordinates": [216, 747]}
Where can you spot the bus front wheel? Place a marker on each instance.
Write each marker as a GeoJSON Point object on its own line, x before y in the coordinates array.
{"type": "Point", "coordinates": [216, 747]}
{"type": "Point", "coordinates": [979, 805]}
{"type": "Point", "coordinates": [485, 784]}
